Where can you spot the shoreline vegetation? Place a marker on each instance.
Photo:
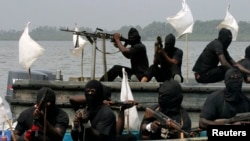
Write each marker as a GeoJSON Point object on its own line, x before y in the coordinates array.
{"type": "Point", "coordinates": [202, 31]}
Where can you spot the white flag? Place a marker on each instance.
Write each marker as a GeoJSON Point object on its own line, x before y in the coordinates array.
{"type": "Point", "coordinates": [5, 113]}
{"type": "Point", "coordinates": [230, 23]}
{"type": "Point", "coordinates": [78, 43]}
{"type": "Point", "coordinates": [183, 21]}
{"type": "Point", "coordinates": [131, 114]}
{"type": "Point", "coordinates": [29, 50]}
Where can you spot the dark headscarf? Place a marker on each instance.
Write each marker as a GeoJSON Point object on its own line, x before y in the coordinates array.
{"type": "Point", "coordinates": [225, 36]}
{"type": "Point", "coordinates": [233, 82]}
{"type": "Point", "coordinates": [133, 36]}
{"type": "Point", "coordinates": [169, 42]}
{"type": "Point", "coordinates": [50, 95]}
{"type": "Point", "coordinates": [97, 98]}
{"type": "Point", "coordinates": [170, 95]}
{"type": "Point", "coordinates": [247, 52]}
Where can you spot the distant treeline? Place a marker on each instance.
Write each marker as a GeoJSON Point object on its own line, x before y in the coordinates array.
{"type": "Point", "coordinates": [202, 31]}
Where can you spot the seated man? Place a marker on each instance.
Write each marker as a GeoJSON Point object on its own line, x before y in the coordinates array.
{"type": "Point", "coordinates": [206, 68]}
{"type": "Point", "coordinates": [96, 121]}
{"type": "Point", "coordinates": [167, 62]}
{"type": "Point", "coordinates": [226, 103]}
{"type": "Point", "coordinates": [79, 102]}
{"type": "Point", "coordinates": [246, 63]}
{"type": "Point", "coordinates": [31, 122]}
{"type": "Point", "coordinates": [169, 103]}
{"type": "Point", "coordinates": [137, 54]}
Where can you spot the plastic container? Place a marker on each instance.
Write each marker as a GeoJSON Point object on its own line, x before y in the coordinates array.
{"type": "Point", "coordinates": [6, 137]}
{"type": "Point", "coordinates": [67, 136]}
{"type": "Point", "coordinates": [136, 133]}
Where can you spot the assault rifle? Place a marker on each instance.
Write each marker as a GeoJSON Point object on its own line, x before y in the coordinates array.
{"type": "Point", "coordinates": [164, 120]}
{"type": "Point", "coordinates": [42, 102]}
{"type": "Point", "coordinates": [240, 117]}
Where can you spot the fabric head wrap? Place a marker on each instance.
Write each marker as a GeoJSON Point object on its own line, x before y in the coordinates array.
{"type": "Point", "coordinates": [247, 52]}
{"type": "Point", "coordinates": [233, 82]}
{"type": "Point", "coordinates": [133, 36]}
{"type": "Point", "coordinates": [225, 36]}
{"type": "Point", "coordinates": [97, 97]}
{"type": "Point", "coordinates": [170, 95]}
{"type": "Point", "coordinates": [169, 42]}
{"type": "Point", "coordinates": [50, 97]}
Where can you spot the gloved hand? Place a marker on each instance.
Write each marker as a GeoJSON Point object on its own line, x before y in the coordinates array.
{"type": "Point", "coordinates": [153, 126]}
{"type": "Point", "coordinates": [164, 133]}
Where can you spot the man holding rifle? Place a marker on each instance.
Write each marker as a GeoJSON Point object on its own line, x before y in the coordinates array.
{"type": "Point", "coordinates": [226, 103]}
{"type": "Point", "coordinates": [175, 122]}
{"type": "Point", "coordinates": [44, 120]}
{"type": "Point", "coordinates": [136, 53]}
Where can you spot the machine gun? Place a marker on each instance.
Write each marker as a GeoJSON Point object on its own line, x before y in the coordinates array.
{"type": "Point", "coordinates": [164, 120]}
{"type": "Point", "coordinates": [98, 34]}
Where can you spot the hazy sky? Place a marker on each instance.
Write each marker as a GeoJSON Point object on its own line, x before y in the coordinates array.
{"type": "Point", "coordinates": [111, 14]}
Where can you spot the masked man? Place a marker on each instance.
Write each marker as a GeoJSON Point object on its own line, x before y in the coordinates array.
{"type": "Point", "coordinates": [136, 53]}
{"type": "Point", "coordinates": [44, 116]}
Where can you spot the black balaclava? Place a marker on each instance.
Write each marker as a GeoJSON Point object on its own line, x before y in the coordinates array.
{"type": "Point", "coordinates": [50, 97]}
{"type": "Point", "coordinates": [233, 82]}
{"type": "Point", "coordinates": [169, 42]}
{"type": "Point", "coordinates": [133, 36]}
{"type": "Point", "coordinates": [170, 96]}
{"type": "Point", "coordinates": [225, 36]}
{"type": "Point", "coordinates": [95, 99]}
{"type": "Point", "coordinates": [247, 52]}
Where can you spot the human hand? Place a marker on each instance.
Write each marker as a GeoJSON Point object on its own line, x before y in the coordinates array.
{"type": "Point", "coordinates": [37, 114]}
{"type": "Point", "coordinates": [82, 115]}
{"type": "Point", "coordinates": [117, 36]}
{"type": "Point", "coordinates": [155, 126]}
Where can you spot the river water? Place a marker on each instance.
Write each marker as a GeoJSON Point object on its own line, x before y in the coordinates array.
{"type": "Point", "coordinates": [57, 56]}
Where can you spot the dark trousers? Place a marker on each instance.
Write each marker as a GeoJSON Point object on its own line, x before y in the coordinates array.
{"type": "Point", "coordinates": [214, 75]}
{"type": "Point", "coordinates": [116, 71]}
{"type": "Point", "coordinates": [162, 75]}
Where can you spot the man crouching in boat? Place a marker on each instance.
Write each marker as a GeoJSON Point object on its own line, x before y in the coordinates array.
{"type": "Point", "coordinates": [223, 104]}
{"type": "Point", "coordinates": [44, 117]}
{"type": "Point", "coordinates": [177, 121]}
{"type": "Point", "coordinates": [137, 54]}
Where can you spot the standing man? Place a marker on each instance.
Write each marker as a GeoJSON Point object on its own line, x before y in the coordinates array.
{"type": "Point", "coordinates": [137, 54]}
{"type": "Point", "coordinates": [206, 68]}
{"type": "Point", "coordinates": [96, 122]}
{"type": "Point", "coordinates": [169, 103]}
{"type": "Point", "coordinates": [167, 62]}
{"type": "Point", "coordinates": [44, 116]}
{"type": "Point", "coordinates": [225, 103]}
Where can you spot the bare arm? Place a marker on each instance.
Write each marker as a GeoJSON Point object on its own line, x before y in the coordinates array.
{"type": "Point", "coordinates": [203, 123]}
{"type": "Point", "coordinates": [125, 51]}
{"type": "Point", "coordinates": [167, 58]}
{"type": "Point", "coordinates": [223, 61]}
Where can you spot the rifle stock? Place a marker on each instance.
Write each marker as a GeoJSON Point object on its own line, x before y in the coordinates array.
{"type": "Point", "coordinates": [164, 120]}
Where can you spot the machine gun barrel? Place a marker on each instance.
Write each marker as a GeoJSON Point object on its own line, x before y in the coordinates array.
{"type": "Point", "coordinates": [93, 35]}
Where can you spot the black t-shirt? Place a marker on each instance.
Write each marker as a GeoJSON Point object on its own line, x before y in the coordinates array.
{"type": "Point", "coordinates": [59, 118]}
{"type": "Point", "coordinates": [246, 63]}
{"type": "Point", "coordinates": [104, 122]}
{"type": "Point", "coordinates": [208, 59]}
{"type": "Point", "coordinates": [139, 58]}
{"type": "Point", "coordinates": [215, 107]}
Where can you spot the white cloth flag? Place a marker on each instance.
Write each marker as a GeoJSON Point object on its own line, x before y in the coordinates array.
{"type": "Point", "coordinates": [183, 21]}
{"type": "Point", "coordinates": [230, 23]}
{"type": "Point", "coordinates": [131, 114]}
{"type": "Point", "coordinates": [5, 113]}
{"type": "Point", "coordinates": [78, 43]}
{"type": "Point", "coordinates": [29, 50]}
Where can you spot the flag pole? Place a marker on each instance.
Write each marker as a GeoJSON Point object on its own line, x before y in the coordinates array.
{"type": "Point", "coordinates": [187, 57]}
{"type": "Point", "coordinates": [29, 73]}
